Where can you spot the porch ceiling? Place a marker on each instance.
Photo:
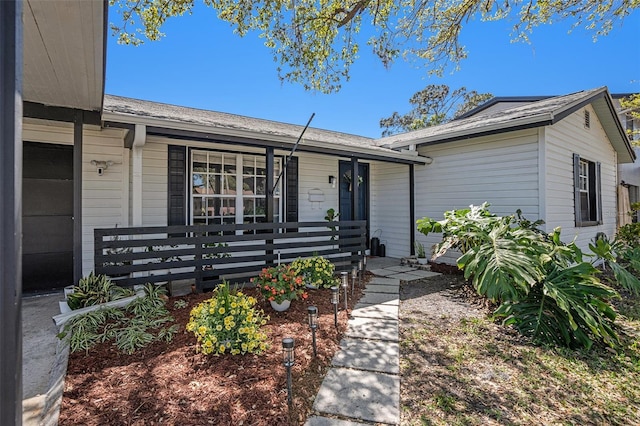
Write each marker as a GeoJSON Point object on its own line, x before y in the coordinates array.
{"type": "Point", "coordinates": [64, 53]}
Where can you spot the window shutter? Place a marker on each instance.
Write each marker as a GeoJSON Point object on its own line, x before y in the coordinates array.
{"type": "Point", "coordinates": [292, 190]}
{"type": "Point", "coordinates": [576, 190]}
{"type": "Point", "coordinates": [176, 191]}
{"type": "Point", "coordinates": [598, 194]}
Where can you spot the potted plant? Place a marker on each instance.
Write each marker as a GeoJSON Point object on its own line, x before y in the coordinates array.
{"type": "Point", "coordinates": [280, 285]}
{"type": "Point", "coordinates": [420, 253]}
{"type": "Point", "coordinates": [316, 271]}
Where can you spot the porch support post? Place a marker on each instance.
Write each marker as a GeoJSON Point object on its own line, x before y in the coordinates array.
{"type": "Point", "coordinates": [412, 209]}
{"type": "Point", "coordinates": [139, 139]}
{"type": "Point", "coordinates": [269, 193]}
{"type": "Point", "coordinates": [354, 188]}
{"type": "Point", "coordinates": [77, 195]}
{"type": "Point", "coordinates": [269, 199]}
{"type": "Point", "coordinates": [11, 212]}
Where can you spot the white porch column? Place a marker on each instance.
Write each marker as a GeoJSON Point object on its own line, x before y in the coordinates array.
{"type": "Point", "coordinates": [139, 140]}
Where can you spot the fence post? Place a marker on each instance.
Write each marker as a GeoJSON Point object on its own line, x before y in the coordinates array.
{"type": "Point", "coordinates": [198, 263]}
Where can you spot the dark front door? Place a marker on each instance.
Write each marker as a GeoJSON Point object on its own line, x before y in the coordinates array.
{"type": "Point", "coordinates": [47, 217]}
{"type": "Point", "coordinates": [363, 192]}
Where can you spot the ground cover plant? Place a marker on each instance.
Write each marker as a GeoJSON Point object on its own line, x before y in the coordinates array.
{"type": "Point", "coordinates": [176, 383]}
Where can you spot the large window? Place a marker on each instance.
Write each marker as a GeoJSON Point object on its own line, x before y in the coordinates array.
{"type": "Point", "coordinates": [231, 188]}
{"type": "Point", "coordinates": [587, 200]}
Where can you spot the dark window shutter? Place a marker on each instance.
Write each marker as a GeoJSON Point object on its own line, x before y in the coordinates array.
{"type": "Point", "coordinates": [176, 191]}
{"type": "Point", "coordinates": [576, 190]}
{"type": "Point", "coordinates": [598, 194]}
{"type": "Point", "coordinates": [292, 190]}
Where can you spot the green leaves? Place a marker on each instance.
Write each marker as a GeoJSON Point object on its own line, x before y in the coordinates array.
{"type": "Point", "coordinates": [542, 285]}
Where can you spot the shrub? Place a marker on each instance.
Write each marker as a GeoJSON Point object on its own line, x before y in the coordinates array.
{"type": "Point", "coordinates": [279, 283]}
{"type": "Point", "coordinates": [316, 271]}
{"type": "Point", "coordinates": [228, 322]}
{"type": "Point", "coordinates": [542, 286]}
{"type": "Point", "coordinates": [94, 290]}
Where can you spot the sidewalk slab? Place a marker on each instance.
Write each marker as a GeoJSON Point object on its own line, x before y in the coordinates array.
{"type": "Point", "coordinates": [371, 298]}
{"type": "Point", "coordinates": [329, 421]}
{"type": "Point", "coordinates": [372, 329]}
{"type": "Point", "coordinates": [363, 395]}
{"type": "Point", "coordinates": [381, 288]}
{"type": "Point", "coordinates": [375, 311]}
{"type": "Point", "coordinates": [384, 281]}
{"type": "Point", "coordinates": [381, 357]}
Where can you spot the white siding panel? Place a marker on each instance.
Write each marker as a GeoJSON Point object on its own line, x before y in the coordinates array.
{"type": "Point", "coordinates": [390, 212]}
{"type": "Point", "coordinates": [313, 175]}
{"type": "Point", "coordinates": [563, 139]}
{"type": "Point", "coordinates": [154, 182]}
{"type": "Point", "coordinates": [500, 169]}
{"type": "Point", "coordinates": [104, 203]}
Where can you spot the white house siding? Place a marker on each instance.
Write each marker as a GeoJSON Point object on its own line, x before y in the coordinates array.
{"type": "Point", "coordinates": [499, 169]}
{"type": "Point", "coordinates": [562, 140]}
{"type": "Point", "coordinates": [154, 182]}
{"type": "Point", "coordinates": [389, 207]}
{"type": "Point", "coordinates": [313, 178]}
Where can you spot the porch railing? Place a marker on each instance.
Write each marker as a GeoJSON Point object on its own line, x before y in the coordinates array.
{"type": "Point", "coordinates": [208, 254]}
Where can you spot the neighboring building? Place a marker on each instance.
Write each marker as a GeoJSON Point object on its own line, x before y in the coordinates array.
{"type": "Point", "coordinates": [630, 173]}
{"type": "Point", "coordinates": [555, 158]}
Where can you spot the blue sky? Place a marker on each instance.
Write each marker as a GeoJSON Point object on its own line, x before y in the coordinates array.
{"type": "Point", "coordinates": [202, 64]}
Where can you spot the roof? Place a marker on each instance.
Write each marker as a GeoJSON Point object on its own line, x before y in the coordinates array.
{"type": "Point", "coordinates": [500, 100]}
{"type": "Point", "coordinates": [544, 112]}
{"type": "Point", "coordinates": [64, 53]}
{"type": "Point", "coordinates": [173, 120]}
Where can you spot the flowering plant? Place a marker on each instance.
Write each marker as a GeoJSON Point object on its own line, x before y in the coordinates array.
{"type": "Point", "coordinates": [228, 322]}
{"type": "Point", "coordinates": [279, 283]}
{"type": "Point", "coordinates": [316, 271]}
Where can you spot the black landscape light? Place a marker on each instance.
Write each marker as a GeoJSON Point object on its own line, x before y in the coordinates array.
{"type": "Point", "coordinates": [313, 325]}
{"type": "Point", "coordinates": [335, 297]}
{"type": "Point", "coordinates": [345, 285]}
{"type": "Point", "coordinates": [361, 269]}
{"type": "Point", "coordinates": [354, 275]}
{"type": "Point", "coordinates": [288, 346]}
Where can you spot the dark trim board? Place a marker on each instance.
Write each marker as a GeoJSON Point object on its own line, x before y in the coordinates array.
{"type": "Point", "coordinates": [57, 113]}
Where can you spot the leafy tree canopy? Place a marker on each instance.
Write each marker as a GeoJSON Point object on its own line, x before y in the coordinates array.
{"type": "Point", "coordinates": [631, 105]}
{"type": "Point", "coordinates": [435, 104]}
{"type": "Point", "coordinates": [316, 42]}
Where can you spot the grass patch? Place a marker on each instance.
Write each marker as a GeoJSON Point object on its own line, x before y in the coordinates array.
{"type": "Point", "coordinates": [468, 370]}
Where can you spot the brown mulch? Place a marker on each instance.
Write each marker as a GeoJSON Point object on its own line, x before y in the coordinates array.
{"type": "Point", "coordinates": [171, 383]}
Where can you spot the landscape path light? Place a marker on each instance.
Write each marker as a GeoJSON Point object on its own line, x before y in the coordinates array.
{"type": "Point", "coordinates": [361, 269]}
{"type": "Point", "coordinates": [345, 285]}
{"type": "Point", "coordinates": [354, 274]}
{"type": "Point", "coordinates": [313, 325]}
{"type": "Point", "coordinates": [288, 352]}
{"type": "Point", "coordinates": [334, 300]}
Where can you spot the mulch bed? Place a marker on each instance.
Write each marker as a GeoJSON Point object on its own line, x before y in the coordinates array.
{"type": "Point", "coordinates": [171, 383]}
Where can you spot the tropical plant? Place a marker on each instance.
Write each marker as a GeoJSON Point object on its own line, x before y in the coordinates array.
{"type": "Point", "coordinates": [129, 328]}
{"type": "Point", "coordinates": [607, 252]}
{"type": "Point", "coordinates": [279, 283]}
{"type": "Point", "coordinates": [420, 251]}
{"type": "Point", "coordinates": [316, 271]}
{"type": "Point", "coordinates": [228, 322]}
{"type": "Point", "coordinates": [331, 216]}
{"type": "Point", "coordinates": [94, 290]}
{"type": "Point", "coordinates": [541, 285]}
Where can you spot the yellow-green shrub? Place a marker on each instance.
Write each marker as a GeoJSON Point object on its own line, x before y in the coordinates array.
{"type": "Point", "coordinates": [228, 322]}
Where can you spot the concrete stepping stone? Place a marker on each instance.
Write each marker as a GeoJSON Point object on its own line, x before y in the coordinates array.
{"type": "Point", "coordinates": [381, 288]}
{"type": "Point", "coordinates": [375, 311]}
{"type": "Point", "coordinates": [372, 329]}
{"type": "Point", "coordinates": [406, 276]}
{"type": "Point", "coordinates": [382, 272]}
{"type": "Point", "coordinates": [362, 395]}
{"type": "Point", "coordinates": [382, 357]}
{"type": "Point", "coordinates": [400, 268]}
{"type": "Point", "coordinates": [329, 421]}
{"type": "Point", "coordinates": [371, 298]}
{"type": "Point", "coordinates": [424, 274]}
{"type": "Point", "coordinates": [384, 281]}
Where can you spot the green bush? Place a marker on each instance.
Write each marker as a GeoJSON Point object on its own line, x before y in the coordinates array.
{"type": "Point", "coordinates": [316, 271]}
{"type": "Point", "coordinates": [228, 322]}
{"type": "Point", "coordinates": [541, 285]}
{"type": "Point", "coordinates": [94, 290]}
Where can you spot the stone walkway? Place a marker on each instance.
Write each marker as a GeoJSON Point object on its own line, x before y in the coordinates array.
{"type": "Point", "coordinates": [363, 384]}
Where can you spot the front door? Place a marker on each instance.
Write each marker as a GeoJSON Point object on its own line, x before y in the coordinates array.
{"type": "Point", "coordinates": [363, 192]}
{"type": "Point", "coordinates": [47, 216]}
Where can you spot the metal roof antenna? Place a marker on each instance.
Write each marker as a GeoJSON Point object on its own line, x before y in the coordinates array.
{"type": "Point", "coordinates": [293, 150]}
